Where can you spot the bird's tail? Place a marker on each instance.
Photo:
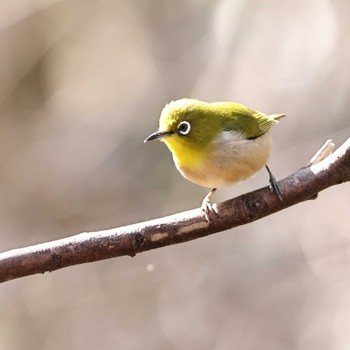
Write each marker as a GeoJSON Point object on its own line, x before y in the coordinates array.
{"type": "Point", "coordinates": [275, 117]}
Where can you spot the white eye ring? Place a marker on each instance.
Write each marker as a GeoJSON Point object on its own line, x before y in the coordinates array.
{"type": "Point", "coordinates": [184, 128]}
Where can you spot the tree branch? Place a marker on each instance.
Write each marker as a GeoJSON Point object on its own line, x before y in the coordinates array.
{"type": "Point", "coordinates": [323, 171]}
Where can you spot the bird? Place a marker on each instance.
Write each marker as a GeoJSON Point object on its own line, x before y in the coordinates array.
{"type": "Point", "coordinates": [217, 144]}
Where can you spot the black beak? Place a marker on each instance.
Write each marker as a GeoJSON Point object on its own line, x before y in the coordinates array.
{"type": "Point", "coordinates": [158, 135]}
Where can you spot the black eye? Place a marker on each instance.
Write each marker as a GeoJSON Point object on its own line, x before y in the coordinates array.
{"type": "Point", "coordinates": [184, 128]}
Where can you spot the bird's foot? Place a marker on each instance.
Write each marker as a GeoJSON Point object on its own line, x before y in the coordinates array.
{"type": "Point", "coordinates": [274, 185]}
{"type": "Point", "coordinates": [207, 208]}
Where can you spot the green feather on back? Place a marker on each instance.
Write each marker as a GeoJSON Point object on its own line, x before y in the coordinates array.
{"type": "Point", "coordinates": [238, 118]}
{"type": "Point", "coordinates": [208, 120]}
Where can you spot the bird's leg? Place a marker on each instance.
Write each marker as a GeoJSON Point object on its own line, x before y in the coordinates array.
{"type": "Point", "coordinates": [274, 185]}
{"type": "Point", "coordinates": [206, 208]}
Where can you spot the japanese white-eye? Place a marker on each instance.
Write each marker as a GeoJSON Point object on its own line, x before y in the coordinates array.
{"type": "Point", "coordinates": [216, 144]}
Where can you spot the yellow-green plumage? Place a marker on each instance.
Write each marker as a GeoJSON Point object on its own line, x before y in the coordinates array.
{"type": "Point", "coordinates": [227, 142]}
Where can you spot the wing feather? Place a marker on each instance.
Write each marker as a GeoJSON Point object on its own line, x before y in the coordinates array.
{"type": "Point", "coordinates": [248, 123]}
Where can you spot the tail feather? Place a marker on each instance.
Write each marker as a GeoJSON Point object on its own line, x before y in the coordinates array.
{"type": "Point", "coordinates": [275, 117]}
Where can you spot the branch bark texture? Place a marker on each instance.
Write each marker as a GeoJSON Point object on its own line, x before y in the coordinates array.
{"type": "Point", "coordinates": [304, 184]}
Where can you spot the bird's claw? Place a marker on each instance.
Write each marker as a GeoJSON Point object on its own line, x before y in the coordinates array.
{"type": "Point", "coordinates": [207, 209]}
{"type": "Point", "coordinates": [274, 185]}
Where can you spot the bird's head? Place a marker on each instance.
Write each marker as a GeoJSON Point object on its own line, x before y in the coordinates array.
{"type": "Point", "coordinates": [186, 124]}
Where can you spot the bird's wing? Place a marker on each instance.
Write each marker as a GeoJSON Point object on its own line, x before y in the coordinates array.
{"type": "Point", "coordinates": [250, 124]}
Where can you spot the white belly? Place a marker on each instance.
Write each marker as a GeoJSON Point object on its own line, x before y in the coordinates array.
{"type": "Point", "coordinates": [232, 161]}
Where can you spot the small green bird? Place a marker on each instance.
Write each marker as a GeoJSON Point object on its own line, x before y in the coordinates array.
{"type": "Point", "coordinates": [216, 144]}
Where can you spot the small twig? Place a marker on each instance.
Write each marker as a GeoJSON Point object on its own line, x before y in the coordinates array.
{"type": "Point", "coordinates": [325, 151]}
{"type": "Point", "coordinates": [130, 240]}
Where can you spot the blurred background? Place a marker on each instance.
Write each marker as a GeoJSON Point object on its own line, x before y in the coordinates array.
{"type": "Point", "coordinates": [82, 83]}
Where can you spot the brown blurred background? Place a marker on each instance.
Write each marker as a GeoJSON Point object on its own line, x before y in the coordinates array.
{"type": "Point", "coordinates": [82, 84]}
